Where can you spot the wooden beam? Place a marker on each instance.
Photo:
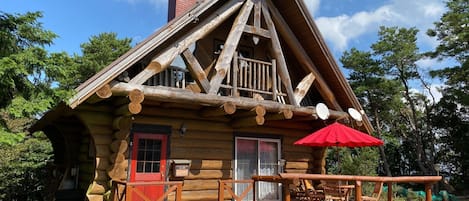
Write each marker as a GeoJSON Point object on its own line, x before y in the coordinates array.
{"type": "Point", "coordinates": [161, 93]}
{"type": "Point", "coordinates": [258, 110]}
{"type": "Point", "coordinates": [225, 109]}
{"type": "Point", "coordinates": [282, 115]}
{"type": "Point", "coordinates": [257, 31]}
{"type": "Point", "coordinates": [257, 20]}
{"type": "Point", "coordinates": [196, 70]}
{"type": "Point", "coordinates": [164, 59]}
{"type": "Point", "coordinates": [279, 56]}
{"type": "Point", "coordinates": [248, 121]}
{"type": "Point", "coordinates": [229, 48]}
{"type": "Point", "coordinates": [301, 55]}
{"type": "Point", "coordinates": [303, 87]}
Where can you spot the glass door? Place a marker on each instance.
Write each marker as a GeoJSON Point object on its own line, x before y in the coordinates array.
{"type": "Point", "coordinates": [257, 156]}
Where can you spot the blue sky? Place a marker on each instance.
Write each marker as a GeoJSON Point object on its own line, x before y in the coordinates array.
{"type": "Point", "coordinates": [343, 23]}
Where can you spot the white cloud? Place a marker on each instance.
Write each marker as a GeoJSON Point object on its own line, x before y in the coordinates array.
{"type": "Point", "coordinates": [428, 63]}
{"type": "Point", "coordinates": [313, 6]}
{"type": "Point", "coordinates": [340, 30]}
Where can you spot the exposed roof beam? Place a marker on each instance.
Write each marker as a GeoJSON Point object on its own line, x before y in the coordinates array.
{"type": "Point", "coordinates": [196, 70]}
{"type": "Point", "coordinates": [229, 48]}
{"type": "Point", "coordinates": [163, 60]}
{"type": "Point", "coordinates": [302, 56]}
{"type": "Point", "coordinates": [279, 56]}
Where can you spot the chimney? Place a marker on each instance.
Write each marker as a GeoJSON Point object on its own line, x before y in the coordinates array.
{"type": "Point", "coordinates": [178, 7]}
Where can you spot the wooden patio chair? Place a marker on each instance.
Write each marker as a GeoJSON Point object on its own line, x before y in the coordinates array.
{"type": "Point", "coordinates": [303, 190]}
{"type": "Point", "coordinates": [376, 193]}
{"type": "Point", "coordinates": [336, 191]}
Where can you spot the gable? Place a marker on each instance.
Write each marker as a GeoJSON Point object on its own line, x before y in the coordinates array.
{"type": "Point", "coordinates": [247, 51]}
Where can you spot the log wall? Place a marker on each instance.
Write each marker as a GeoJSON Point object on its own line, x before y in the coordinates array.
{"type": "Point", "coordinates": [208, 142]}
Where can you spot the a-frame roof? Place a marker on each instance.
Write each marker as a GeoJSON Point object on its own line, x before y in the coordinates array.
{"type": "Point", "coordinates": [293, 22]}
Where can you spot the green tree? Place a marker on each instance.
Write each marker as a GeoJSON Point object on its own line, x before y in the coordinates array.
{"type": "Point", "coordinates": [450, 114]}
{"type": "Point", "coordinates": [97, 53]}
{"type": "Point", "coordinates": [370, 85]}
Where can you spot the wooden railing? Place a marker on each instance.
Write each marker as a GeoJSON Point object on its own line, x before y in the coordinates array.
{"type": "Point", "coordinates": [248, 76]}
{"type": "Point", "coordinates": [225, 185]}
{"type": "Point", "coordinates": [287, 178]}
{"type": "Point", "coordinates": [170, 77]}
{"type": "Point", "coordinates": [123, 191]}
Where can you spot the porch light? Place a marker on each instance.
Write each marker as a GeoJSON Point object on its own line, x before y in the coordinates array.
{"type": "Point", "coordinates": [181, 168]}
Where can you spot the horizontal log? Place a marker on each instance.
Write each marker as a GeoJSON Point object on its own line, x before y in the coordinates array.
{"type": "Point", "coordinates": [202, 153]}
{"type": "Point", "coordinates": [205, 135]}
{"type": "Point", "coordinates": [136, 96]}
{"type": "Point", "coordinates": [95, 197]}
{"type": "Point", "coordinates": [95, 108]}
{"type": "Point", "coordinates": [161, 93]}
{"type": "Point", "coordinates": [104, 92]}
{"type": "Point", "coordinates": [117, 158]}
{"type": "Point", "coordinates": [101, 175]}
{"type": "Point", "coordinates": [297, 170]}
{"type": "Point", "coordinates": [209, 174]}
{"type": "Point", "coordinates": [100, 129]}
{"type": "Point", "coordinates": [134, 108]}
{"type": "Point", "coordinates": [203, 195]}
{"type": "Point", "coordinates": [248, 121]}
{"type": "Point", "coordinates": [102, 163]}
{"type": "Point", "coordinates": [297, 165]}
{"type": "Point", "coordinates": [225, 109]}
{"type": "Point", "coordinates": [180, 114]}
{"type": "Point", "coordinates": [181, 143]}
{"type": "Point", "coordinates": [198, 185]}
{"type": "Point", "coordinates": [200, 164]}
{"type": "Point", "coordinates": [122, 134]}
{"type": "Point", "coordinates": [102, 139]}
{"type": "Point", "coordinates": [122, 123]}
{"type": "Point", "coordinates": [190, 124]}
{"type": "Point", "coordinates": [258, 110]}
{"type": "Point", "coordinates": [298, 156]}
{"type": "Point", "coordinates": [95, 118]}
{"type": "Point", "coordinates": [119, 146]}
{"type": "Point", "coordinates": [97, 187]}
{"type": "Point", "coordinates": [103, 151]}
{"type": "Point", "coordinates": [289, 124]}
{"type": "Point", "coordinates": [272, 130]}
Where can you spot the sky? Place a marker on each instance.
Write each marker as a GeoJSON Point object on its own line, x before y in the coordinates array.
{"type": "Point", "coordinates": [343, 23]}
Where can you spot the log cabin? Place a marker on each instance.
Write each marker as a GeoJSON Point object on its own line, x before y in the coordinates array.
{"type": "Point", "coordinates": [219, 93]}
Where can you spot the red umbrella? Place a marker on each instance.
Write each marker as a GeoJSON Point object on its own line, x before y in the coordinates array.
{"type": "Point", "coordinates": [340, 135]}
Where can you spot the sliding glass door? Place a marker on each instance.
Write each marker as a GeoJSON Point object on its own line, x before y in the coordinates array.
{"type": "Point", "coordinates": [257, 156]}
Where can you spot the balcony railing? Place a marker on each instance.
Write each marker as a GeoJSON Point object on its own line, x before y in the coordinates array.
{"type": "Point", "coordinates": [246, 77]}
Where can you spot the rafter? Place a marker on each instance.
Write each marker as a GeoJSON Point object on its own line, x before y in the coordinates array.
{"type": "Point", "coordinates": [303, 87]}
{"type": "Point", "coordinates": [163, 60]}
{"type": "Point", "coordinates": [229, 48]}
{"type": "Point", "coordinates": [302, 56]}
{"type": "Point", "coordinates": [277, 51]}
{"type": "Point", "coordinates": [196, 70]}
{"type": "Point", "coordinates": [257, 19]}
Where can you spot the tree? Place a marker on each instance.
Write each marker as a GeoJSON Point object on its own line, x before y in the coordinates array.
{"type": "Point", "coordinates": [451, 113]}
{"type": "Point", "coordinates": [97, 53]}
{"type": "Point", "coordinates": [372, 88]}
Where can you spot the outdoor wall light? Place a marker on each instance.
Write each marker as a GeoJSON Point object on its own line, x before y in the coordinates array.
{"type": "Point", "coordinates": [182, 129]}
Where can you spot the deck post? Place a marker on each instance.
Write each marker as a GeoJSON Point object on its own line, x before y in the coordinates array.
{"type": "Point", "coordinates": [221, 191]}
{"type": "Point", "coordinates": [358, 190]}
{"type": "Point", "coordinates": [179, 192]}
{"type": "Point", "coordinates": [389, 191]}
{"type": "Point", "coordinates": [428, 191]}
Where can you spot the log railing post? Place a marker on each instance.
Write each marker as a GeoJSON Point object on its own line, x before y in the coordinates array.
{"type": "Point", "coordinates": [390, 195]}
{"type": "Point", "coordinates": [428, 191]}
{"type": "Point", "coordinates": [358, 190]}
{"type": "Point", "coordinates": [179, 192]}
{"type": "Point", "coordinates": [221, 190]}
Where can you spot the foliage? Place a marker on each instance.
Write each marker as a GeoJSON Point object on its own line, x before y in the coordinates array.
{"type": "Point", "coordinates": [22, 168]}
{"type": "Point", "coordinates": [98, 52]}
{"type": "Point", "coordinates": [353, 161]}
{"type": "Point", "coordinates": [450, 116]}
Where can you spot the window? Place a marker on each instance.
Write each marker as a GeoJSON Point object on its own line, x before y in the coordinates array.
{"type": "Point", "coordinates": [148, 156]}
{"type": "Point", "coordinates": [257, 156]}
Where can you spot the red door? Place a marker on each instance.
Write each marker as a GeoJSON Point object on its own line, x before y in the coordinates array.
{"type": "Point", "coordinates": [148, 164]}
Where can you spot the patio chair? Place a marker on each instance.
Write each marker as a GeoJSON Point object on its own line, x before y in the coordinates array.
{"type": "Point", "coordinates": [376, 193]}
{"type": "Point", "coordinates": [311, 193]}
{"type": "Point", "coordinates": [336, 191]}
